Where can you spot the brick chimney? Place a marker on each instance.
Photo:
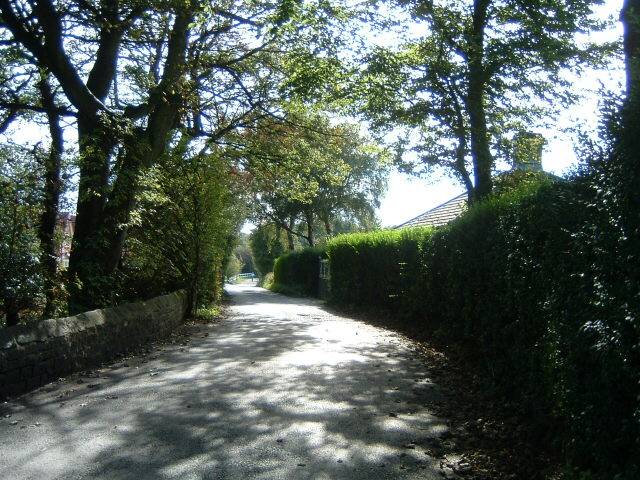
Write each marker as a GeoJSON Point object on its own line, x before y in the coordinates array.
{"type": "Point", "coordinates": [527, 152]}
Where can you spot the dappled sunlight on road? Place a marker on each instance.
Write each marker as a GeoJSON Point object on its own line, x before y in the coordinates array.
{"type": "Point", "coordinates": [279, 389]}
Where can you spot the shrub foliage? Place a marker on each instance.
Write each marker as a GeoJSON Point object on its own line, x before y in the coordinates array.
{"type": "Point", "coordinates": [183, 231]}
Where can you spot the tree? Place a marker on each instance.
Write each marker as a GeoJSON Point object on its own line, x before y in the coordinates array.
{"type": "Point", "coordinates": [52, 191]}
{"type": "Point", "coordinates": [621, 172]}
{"type": "Point", "coordinates": [243, 253]}
{"type": "Point", "coordinates": [234, 266]}
{"type": "Point", "coordinates": [618, 172]}
{"type": "Point", "coordinates": [308, 174]}
{"type": "Point", "coordinates": [630, 16]}
{"type": "Point", "coordinates": [131, 74]}
{"type": "Point", "coordinates": [355, 194]}
{"type": "Point", "coordinates": [20, 270]}
{"type": "Point", "coordinates": [22, 84]}
{"type": "Point", "coordinates": [184, 226]}
{"type": "Point", "coordinates": [483, 71]}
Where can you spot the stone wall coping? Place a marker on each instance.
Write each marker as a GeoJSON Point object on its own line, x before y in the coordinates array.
{"type": "Point", "coordinates": [10, 337]}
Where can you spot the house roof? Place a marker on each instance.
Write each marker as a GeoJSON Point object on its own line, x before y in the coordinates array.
{"type": "Point", "coordinates": [440, 215]}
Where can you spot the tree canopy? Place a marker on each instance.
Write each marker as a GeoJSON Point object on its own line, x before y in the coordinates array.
{"type": "Point", "coordinates": [480, 73]}
{"type": "Point", "coordinates": [131, 74]}
{"type": "Point", "coordinates": [309, 171]}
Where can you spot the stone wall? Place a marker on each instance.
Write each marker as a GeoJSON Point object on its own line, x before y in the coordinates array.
{"type": "Point", "coordinates": [31, 356]}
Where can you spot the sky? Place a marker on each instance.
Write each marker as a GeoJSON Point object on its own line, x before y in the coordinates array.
{"type": "Point", "coordinates": [408, 197]}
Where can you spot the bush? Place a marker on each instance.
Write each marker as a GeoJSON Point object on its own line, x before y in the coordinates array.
{"type": "Point", "coordinates": [183, 230]}
{"type": "Point", "coordinates": [522, 283]}
{"type": "Point", "coordinates": [298, 272]}
{"type": "Point", "coordinates": [266, 281]}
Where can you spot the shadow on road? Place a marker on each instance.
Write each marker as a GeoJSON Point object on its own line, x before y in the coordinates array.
{"type": "Point", "coordinates": [280, 389]}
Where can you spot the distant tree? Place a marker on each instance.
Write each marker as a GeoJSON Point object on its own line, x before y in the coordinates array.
{"type": "Point", "coordinates": [234, 266]}
{"type": "Point", "coordinates": [243, 253]}
{"type": "Point", "coordinates": [355, 195]}
{"type": "Point", "coordinates": [266, 245]}
{"type": "Point", "coordinates": [308, 173]}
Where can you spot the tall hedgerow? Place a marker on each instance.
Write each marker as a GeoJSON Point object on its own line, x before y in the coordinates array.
{"type": "Point", "coordinates": [298, 272]}
{"type": "Point", "coordinates": [544, 308]}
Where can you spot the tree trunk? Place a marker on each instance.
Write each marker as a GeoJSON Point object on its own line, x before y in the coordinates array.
{"type": "Point", "coordinates": [480, 150]}
{"type": "Point", "coordinates": [309, 220]}
{"type": "Point", "coordinates": [327, 226]}
{"type": "Point", "coordinates": [461, 155]}
{"type": "Point", "coordinates": [11, 312]}
{"type": "Point", "coordinates": [95, 145]}
{"type": "Point", "coordinates": [52, 188]}
{"type": "Point", "coordinates": [475, 104]}
{"type": "Point", "coordinates": [461, 133]}
{"type": "Point", "coordinates": [624, 166]}
{"type": "Point", "coordinates": [289, 230]}
{"type": "Point", "coordinates": [120, 205]}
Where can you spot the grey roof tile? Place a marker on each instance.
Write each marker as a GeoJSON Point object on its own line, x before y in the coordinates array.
{"type": "Point", "coordinates": [440, 215]}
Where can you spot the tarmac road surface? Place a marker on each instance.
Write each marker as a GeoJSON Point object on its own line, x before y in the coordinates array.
{"type": "Point", "coordinates": [279, 389]}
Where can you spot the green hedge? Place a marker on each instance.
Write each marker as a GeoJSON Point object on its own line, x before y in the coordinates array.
{"type": "Point", "coordinates": [530, 283]}
{"type": "Point", "coordinates": [298, 272]}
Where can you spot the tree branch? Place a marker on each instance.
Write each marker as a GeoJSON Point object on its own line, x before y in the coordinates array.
{"type": "Point", "coordinates": [48, 50]}
{"type": "Point", "coordinates": [17, 105]}
{"type": "Point", "coordinates": [11, 116]}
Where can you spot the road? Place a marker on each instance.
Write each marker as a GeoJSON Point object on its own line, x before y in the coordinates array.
{"type": "Point", "coordinates": [279, 389]}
